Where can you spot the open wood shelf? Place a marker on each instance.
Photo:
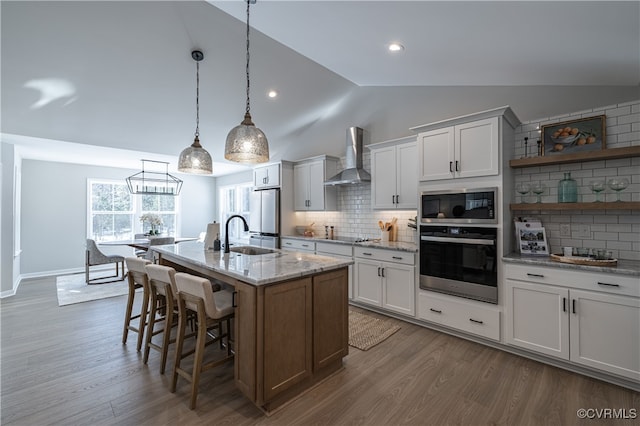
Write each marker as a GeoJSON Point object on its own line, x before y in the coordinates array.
{"type": "Point", "coordinates": [605, 154]}
{"type": "Point", "coordinates": [613, 205]}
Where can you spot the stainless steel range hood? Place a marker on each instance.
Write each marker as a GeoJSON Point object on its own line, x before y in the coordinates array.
{"type": "Point", "coordinates": [353, 173]}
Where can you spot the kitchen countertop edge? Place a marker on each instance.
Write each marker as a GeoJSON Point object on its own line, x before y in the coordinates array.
{"type": "Point", "coordinates": [624, 267]}
{"type": "Point", "coordinates": [391, 245]}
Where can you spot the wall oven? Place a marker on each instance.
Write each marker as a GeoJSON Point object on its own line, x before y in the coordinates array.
{"type": "Point", "coordinates": [461, 261]}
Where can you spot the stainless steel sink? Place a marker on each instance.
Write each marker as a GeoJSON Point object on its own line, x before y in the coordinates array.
{"type": "Point", "coordinates": [250, 250]}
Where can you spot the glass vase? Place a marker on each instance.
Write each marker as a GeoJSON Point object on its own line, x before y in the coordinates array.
{"type": "Point", "coordinates": [567, 189]}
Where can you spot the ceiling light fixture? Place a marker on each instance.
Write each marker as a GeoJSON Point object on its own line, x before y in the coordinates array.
{"type": "Point", "coordinates": [154, 182]}
{"type": "Point", "coordinates": [272, 94]}
{"type": "Point", "coordinates": [395, 47]}
{"type": "Point", "coordinates": [246, 143]}
{"type": "Point", "coordinates": [195, 159]}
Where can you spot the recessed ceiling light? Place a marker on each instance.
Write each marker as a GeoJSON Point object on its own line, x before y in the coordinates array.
{"type": "Point", "coordinates": [272, 94]}
{"type": "Point", "coordinates": [395, 47]}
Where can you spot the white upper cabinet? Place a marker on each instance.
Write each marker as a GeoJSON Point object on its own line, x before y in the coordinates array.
{"type": "Point", "coordinates": [309, 191]}
{"type": "Point", "coordinates": [463, 147]}
{"type": "Point", "coordinates": [267, 176]}
{"type": "Point", "coordinates": [394, 174]}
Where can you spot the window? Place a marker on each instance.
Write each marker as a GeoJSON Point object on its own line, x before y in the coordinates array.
{"type": "Point", "coordinates": [114, 213]}
{"type": "Point", "coordinates": [234, 199]}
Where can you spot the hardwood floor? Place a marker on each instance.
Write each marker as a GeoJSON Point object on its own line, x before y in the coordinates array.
{"type": "Point", "coordinates": [67, 366]}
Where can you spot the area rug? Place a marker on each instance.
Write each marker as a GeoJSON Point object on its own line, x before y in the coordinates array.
{"type": "Point", "coordinates": [73, 289]}
{"type": "Point", "coordinates": [366, 331]}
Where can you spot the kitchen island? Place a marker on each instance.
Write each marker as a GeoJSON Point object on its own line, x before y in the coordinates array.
{"type": "Point", "coordinates": [291, 317]}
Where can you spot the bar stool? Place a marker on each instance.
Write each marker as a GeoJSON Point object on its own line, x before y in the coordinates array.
{"type": "Point", "coordinates": [164, 307]}
{"type": "Point", "coordinates": [137, 279]}
{"type": "Point", "coordinates": [211, 309]}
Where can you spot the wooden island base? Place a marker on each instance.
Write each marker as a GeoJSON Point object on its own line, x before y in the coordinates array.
{"type": "Point", "coordinates": [289, 335]}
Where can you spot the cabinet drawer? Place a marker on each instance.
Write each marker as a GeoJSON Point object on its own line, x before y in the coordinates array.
{"type": "Point", "coordinates": [334, 248]}
{"type": "Point", "coordinates": [297, 244]}
{"type": "Point", "coordinates": [593, 281]}
{"type": "Point", "coordinates": [468, 316]}
{"type": "Point", "coordinates": [396, 256]}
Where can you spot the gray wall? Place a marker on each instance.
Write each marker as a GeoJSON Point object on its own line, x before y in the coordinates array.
{"type": "Point", "coordinates": [54, 212]}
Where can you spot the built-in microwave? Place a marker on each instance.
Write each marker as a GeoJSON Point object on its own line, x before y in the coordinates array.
{"type": "Point", "coordinates": [459, 206]}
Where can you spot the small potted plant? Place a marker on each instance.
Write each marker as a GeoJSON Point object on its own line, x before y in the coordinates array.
{"type": "Point", "coordinates": [154, 222]}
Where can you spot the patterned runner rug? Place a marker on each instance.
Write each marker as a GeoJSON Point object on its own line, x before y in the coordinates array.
{"type": "Point", "coordinates": [73, 289]}
{"type": "Point", "coordinates": [366, 331]}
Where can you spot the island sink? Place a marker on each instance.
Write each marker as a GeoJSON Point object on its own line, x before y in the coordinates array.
{"type": "Point", "coordinates": [250, 250]}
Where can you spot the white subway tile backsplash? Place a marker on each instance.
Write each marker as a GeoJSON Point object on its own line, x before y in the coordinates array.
{"type": "Point", "coordinates": [617, 230]}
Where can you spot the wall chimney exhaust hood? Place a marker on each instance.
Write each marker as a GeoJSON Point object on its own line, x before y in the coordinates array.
{"type": "Point", "coordinates": [353, 173]}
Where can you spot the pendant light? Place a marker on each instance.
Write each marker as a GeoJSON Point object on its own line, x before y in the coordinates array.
{"type": "Point", "coordinates": [246, 143]}
{"type": "Point", "coordinates": [195, 159]}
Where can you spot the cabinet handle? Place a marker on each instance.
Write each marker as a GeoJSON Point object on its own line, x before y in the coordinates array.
{"type": "Point", "coordinates": [564, 304]}
{"type": "Point", "coordinates": [609, 285]}
{"type": "Point", "coordinates": [288, 243]}
{"type": "Point", "coordinates": [379, 271]}
{"type": "Point", "coordinates": [451, 166]}
{"type": "Point", "coordinates": [367, 254]}
{"type": "Point", "coordinates": [382, 272]}
{"type": "Point", "coordinates": [305, 245]}
{"type": "Point", "coordinates": [233, 299]}
{"type": "Point", "coordinates": [476, 321]}
{"type": "Point", "coordinates": [397, 257]}
{"type": "Point", "coordinates": [397, 199]}
{"type": "Point", "coordinates": [435, 310]}
{"type": "Point", "coordinates": [574, 305]}
{"type": "Point", "coordinates": [264, 180]}
{"type": "Point", "coordinates": [535, 275]}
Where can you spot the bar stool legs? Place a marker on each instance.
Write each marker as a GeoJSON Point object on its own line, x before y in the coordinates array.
{"type": "Point", "coordinates": [137, 277]}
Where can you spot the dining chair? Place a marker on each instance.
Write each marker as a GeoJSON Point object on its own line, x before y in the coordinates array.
{"type": "Point", "coordinates": [211, 310]}
{"type": "Point", "coordinates": [140, 252]}
{"type": "Point", "coordinates": [164, 309]}
{"type": "Point", "coordinates": [137, 279]}
{"type": "Point", "coordinates": [157, 241]}
{"type": "Point", "coordinates": [95, 257]}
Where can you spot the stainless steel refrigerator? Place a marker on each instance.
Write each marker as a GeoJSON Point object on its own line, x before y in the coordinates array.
{"type": "Point", "coordinates": [264, 218]}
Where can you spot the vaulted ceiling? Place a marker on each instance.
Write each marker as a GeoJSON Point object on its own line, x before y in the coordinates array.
{"type": "Point", "coordinates": [119, 75]}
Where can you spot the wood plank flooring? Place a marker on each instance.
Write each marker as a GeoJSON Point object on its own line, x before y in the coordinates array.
{"type": "Point", "coordinates": [67, 366]}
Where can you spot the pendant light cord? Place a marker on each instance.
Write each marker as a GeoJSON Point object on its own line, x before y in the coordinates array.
{"type": "Point", "coordinates": [197, 99]}
{"type": "Point", "coordinates": [247, 69]}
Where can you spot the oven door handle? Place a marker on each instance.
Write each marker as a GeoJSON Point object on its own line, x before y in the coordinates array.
{"type": "Point", "coordinates": [475, 241]}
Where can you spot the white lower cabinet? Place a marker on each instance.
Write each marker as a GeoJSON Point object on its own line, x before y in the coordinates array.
{"type": "Point", "coordinates": [470, 316]}
{"type": "Point", "coordinates": [340, 251]}
{"type": "Point", "coordinates": [598, 329]}
{"type": "Point", "coordinates": [386, 279]}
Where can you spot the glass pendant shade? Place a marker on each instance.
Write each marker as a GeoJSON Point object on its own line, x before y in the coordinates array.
{"type": "Point", "coordinates": [195, 159]}
{"type": "Point", "coordinates": [246, 143]}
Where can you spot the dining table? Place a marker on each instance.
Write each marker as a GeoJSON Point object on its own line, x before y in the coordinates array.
{"type": "Point", "coordinates": [142, 243]}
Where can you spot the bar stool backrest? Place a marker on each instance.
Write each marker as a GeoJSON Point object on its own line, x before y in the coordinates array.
{"type": "Point", "coordinates": [201, 288]}
{"type": "Point", "coordinates": [162, 274]}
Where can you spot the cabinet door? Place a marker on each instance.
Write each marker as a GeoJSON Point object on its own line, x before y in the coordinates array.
{"type": "Point", "coordinates": [477, 147]}
{"type": "Point", "coordinates": [288, 328]}
{"type": "Point", "coordinates": [316, 186]}
{"type": "Point", "coordinates": [383, 185]}
{"type": "Point", "coordinates": [537, 318]}
{"type": "Point", "coordinates": [407, 176]}
{"type": "Point", "coordinates": [300, 186]}
{"type": "Point", "coordinates": [436, 153]}
{"type": "Point", "coordinates": [260, 177]}
{"type": "Point", "coordinates": [368, 288]}
{"type": "Point", "coordinates": [245, 328]}
{"type": "Point", "coordinates": [273, 175]}
{"type": "Point", "coordinates": [330, 318]}
{"type": "Point", "coordinates": [605, 332]}
{"type": "Point", "coordinates": [398, 288]}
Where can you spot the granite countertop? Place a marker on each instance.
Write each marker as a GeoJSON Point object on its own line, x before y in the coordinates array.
{"type": "Point", "coordinates": [624, 267]}
{"type": "Point", "coordinates": [253, 269]}
{"type": "Point", "coordinates": [388, 245]}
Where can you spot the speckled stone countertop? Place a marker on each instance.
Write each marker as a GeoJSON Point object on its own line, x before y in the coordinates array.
{"type": "Point", "coordinates": [253, 269]}
{"type": "Point", "coordinates": [624, 267]}
{"type": "Point", "coordinates": [393, 245]}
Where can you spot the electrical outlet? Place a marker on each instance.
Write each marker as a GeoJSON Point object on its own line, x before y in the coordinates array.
{"type": "Point", "coordinates": [581, 231]}
{"type": "Point", "coordinates": [565, 230]}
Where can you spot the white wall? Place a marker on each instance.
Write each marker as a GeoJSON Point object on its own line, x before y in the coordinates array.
{"type": "Point", "coordinates": [54, 210]}
{"type": "Point", "coordinates": [9, 246]}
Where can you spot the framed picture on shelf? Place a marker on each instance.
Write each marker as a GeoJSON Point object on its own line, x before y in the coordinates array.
{"type": "Point", "coordinates": [569, 137]}
{"type": "Point", "coordinates": [532, 241]}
